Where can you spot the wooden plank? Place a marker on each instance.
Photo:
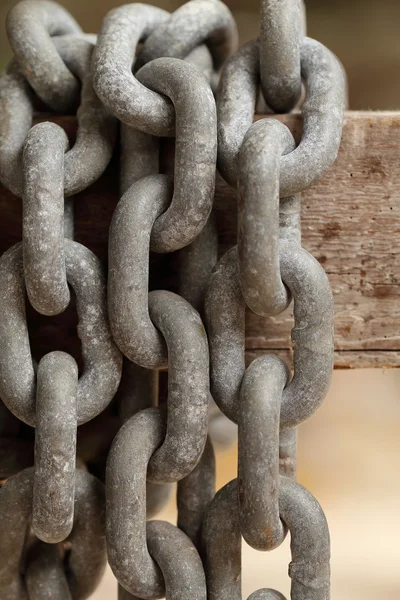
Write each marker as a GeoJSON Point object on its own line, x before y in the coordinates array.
{"type": "Point", "coordinates": [364, 359]}
{"type": "Point", "coordinates": [350, 223]}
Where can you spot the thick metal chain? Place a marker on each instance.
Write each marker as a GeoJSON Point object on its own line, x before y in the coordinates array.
{"type": "Point", "coordinates": [131, 329]}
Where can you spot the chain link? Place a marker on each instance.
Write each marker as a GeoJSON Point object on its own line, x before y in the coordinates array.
{"type": "Point", "coordinates": [280, 36]}
{"type": "Point", "coordinates": [154, 74]}
{"type": "Point", "coordinates": [85, 560]}
{"type": "Point", "coordinates": [322, 113]}
{"type": "Point", "coordinates": [96, 134]}
{"type": "Point", "coordinates": [31, 25]}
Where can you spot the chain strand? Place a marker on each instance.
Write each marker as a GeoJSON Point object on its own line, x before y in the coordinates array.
{"type": "Point", "coordinates": [153, 75]}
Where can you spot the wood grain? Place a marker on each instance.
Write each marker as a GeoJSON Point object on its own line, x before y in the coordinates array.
{"type": "Point", "coordinates": [350, 223]}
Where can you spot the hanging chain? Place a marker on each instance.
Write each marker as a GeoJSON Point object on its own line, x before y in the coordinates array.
{"type": "Point", "coordinates": [154, 74]}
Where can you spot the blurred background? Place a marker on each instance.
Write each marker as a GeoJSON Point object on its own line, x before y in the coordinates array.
{"type": "Point", "coordinates": [349, 452]}
{"type": "Point", "coordinates": [364, 34]}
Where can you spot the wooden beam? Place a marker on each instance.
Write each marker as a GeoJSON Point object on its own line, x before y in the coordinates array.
{"type": "Point", "coordinates": [350, 223]}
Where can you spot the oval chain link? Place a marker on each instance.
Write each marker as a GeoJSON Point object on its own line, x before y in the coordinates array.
{"type": "Point", "coordinates": [96, 134]}
{"type": "Point", "coordinates": [280, 36]}
{"type": "Point", "coordinates": [102, 359]}
{"type": "Point", "coordinates": [310, 544]}
{"type": "Point", "coordinates": [86, 559]}
{"type": "Point", "coordinates": [322, 113]}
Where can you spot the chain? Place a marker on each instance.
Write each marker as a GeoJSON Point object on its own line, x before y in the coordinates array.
{"type": "Point", "coordinates": [158, 75]}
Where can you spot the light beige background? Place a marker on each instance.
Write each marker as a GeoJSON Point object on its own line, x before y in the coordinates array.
{"type": "Point", "coordinates": [349, 454]}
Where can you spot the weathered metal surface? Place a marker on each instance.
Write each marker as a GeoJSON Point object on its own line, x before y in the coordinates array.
{"type": "Point", "coordinates": [310, 545]}
{"type": "Point", "coordinates": [30, 27]}
{"type": "Point", "coordinates": [55, 447]}
{"type": "Point", "coordinates": [86, 560]}
{"type": "Point", "coordinates": [280, 36]}
{"type": "Point", "coordinates": [322, 115]}
{"type": "Point", "coordinates": [101, 357]}
{"type": "Point", "coordinates": [97, 129]}
{"type": "Point", "coordinates": [259, 227]}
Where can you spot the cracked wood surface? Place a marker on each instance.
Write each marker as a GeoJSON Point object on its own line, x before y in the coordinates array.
{"type": "Point", "coordinates": [350, 223]}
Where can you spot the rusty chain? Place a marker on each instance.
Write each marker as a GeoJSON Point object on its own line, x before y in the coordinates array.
{"type": "Point", "coordinates": [158, 75]}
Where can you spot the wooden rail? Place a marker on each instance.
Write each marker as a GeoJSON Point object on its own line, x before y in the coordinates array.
{"type": "Point", "coordinates": [350, 223]}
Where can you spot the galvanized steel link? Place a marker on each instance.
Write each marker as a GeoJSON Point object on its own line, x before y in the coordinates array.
{"type": "Point", "coordinates": [122, 28]}
{"type": "Point", "coordinates": [43, 219]}
{"type": "Point", "coordinates": [45, 576]}
{"type": "Point", "coordinates": [128, 273]}
{"type": "Point", "coordinates": [55, 447]}
{"type": "Point", "coordinates": [188, 387]}
{"type": "Point", "coordinates": [127, 531]}
{"type": "Point", "coordinates": [258, 466]}
{"type": "Point", "coordinates": [225, 326]}
{"type": "Point", "coordinates": [312, 335]}
{"type": "Point", "coordinates": [132, 103]}
{"type": "Point", "coordinates": [195, 151]}
{"type": "Point", "coordinates": [139, 390]}
{"type": "Point", "coordinates": [137, 318]}
{"type": "Point", "coordinates": [195, 492]}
